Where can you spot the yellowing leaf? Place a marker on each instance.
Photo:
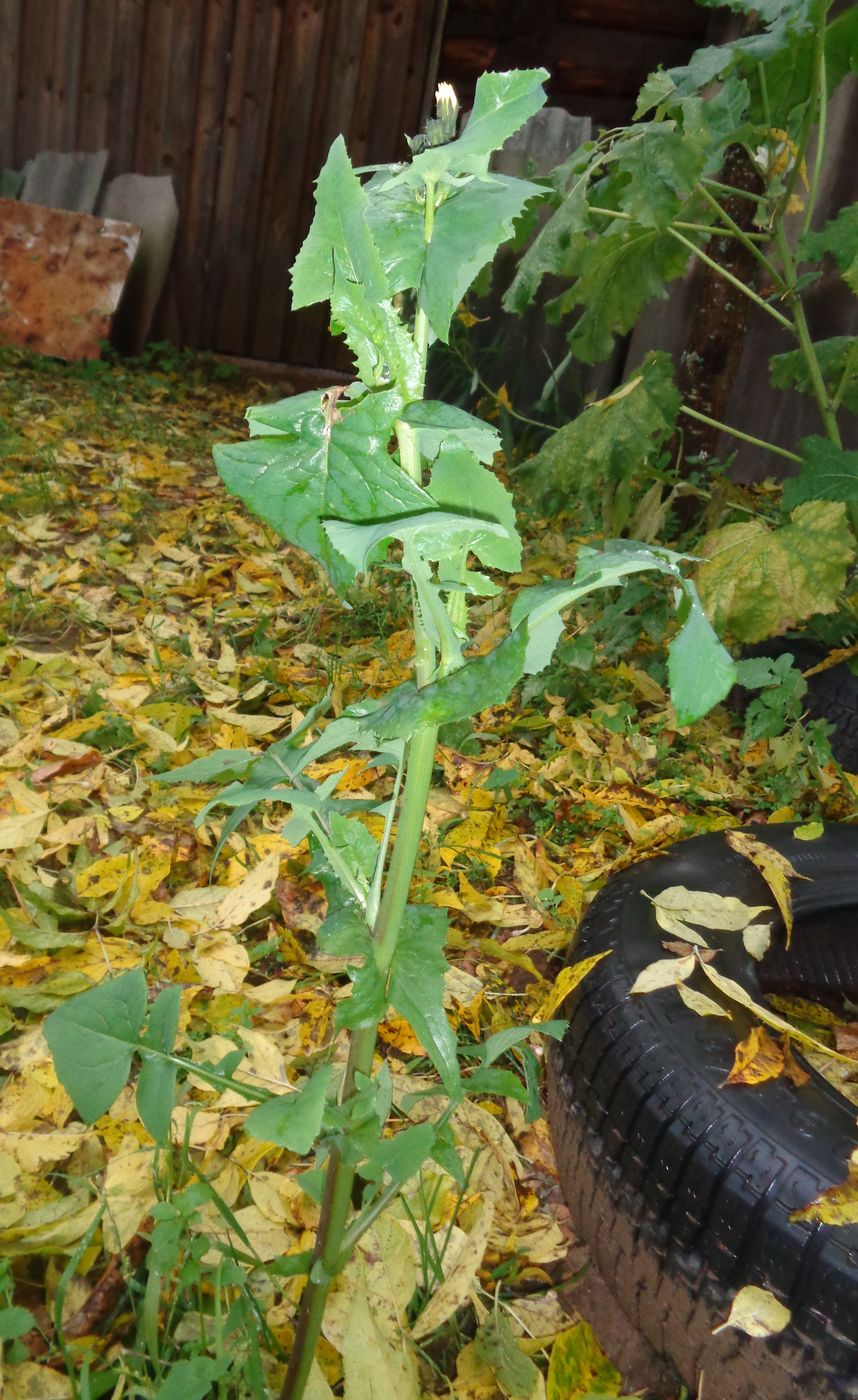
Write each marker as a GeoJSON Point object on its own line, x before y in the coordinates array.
{"type": "Point", "coordinates": [250, 894]}
{"type": "Point", "coordinates": [461, 1263]}
{"type": "Point", "coordinates": [578, 1366]}
{"type": "Point", "coordinates": [715, 911]}
{"type": "Point", "coordinates": [776, 869]}
{"type": "Point", "coordinates": [838, 1205]}
{"type": "Point", "coordinates": [756, 1059]}
{"type": "Point", "coordinates": [565, 982]}
{"type": "Point", "coordinates": [757, 939]}
{"type": "Point", "coordinates": [378, 1362]}
{"type": "Point", "coordinates": [756, 1312]}
{"type": "Point", "coordinates": [221, 961]}
{"type": "Point", "coordinates": [129, 1192]}
{"type": "Point", "coordinates": [700, 1003]}
{"type": "Point", "coordinates": [758, 581]}
{"type": "Point", "coordinates": [736, 992]}
{"type": "Point", "coordinates": [665, 972]}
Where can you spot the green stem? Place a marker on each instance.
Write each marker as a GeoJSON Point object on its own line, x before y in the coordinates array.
{"type": "Point", "coordinates": [850, 365]}
{"type": "Point", "coordinates": [340, 1175]}
{"type": "Point", "coordinates": [734, 281]}
{"type": "Point", "coordinates": [734, 190]}
{"type": "Point", "coordinates": [822, 125]}
{"type": "Point", "coordinates": [684, 223]}
{"type": "Point", "coordinates": [744, 238]}
{"type": "Point", "coordinates": [734, 432]}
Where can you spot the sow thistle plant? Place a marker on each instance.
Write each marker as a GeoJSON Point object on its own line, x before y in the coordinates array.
{"type": "Point", "coordinates": [365, 474]}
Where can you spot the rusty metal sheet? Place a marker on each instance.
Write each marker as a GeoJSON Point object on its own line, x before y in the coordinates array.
{"type": "Point", "coordinates": [61, 277]}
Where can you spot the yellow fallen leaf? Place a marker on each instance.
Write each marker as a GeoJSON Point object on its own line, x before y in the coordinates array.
{"type": "Point", "coordinates": [221, 961]}
{"type": "Point", "coordinates": [254, 890]}
{"type": "Point", "coordinates": [35, 1151]}
{"type": "Point", "coordinates": [665, 972]}
{"type": "Point", "coordinates": [461, 1264]}
{"type": "Point", "coordinates": [565, 982]}
{"type": "Point", "coordinates": [700, 1003]}
{"type": "Point", "coordinates": [715, 911]}
{"type": "Point", "coordinates": [756, 1058]}
{"type": "Point", "coordinates": [27, 1380]}
{"type": "Point", "coordinates": [838, 1205]}
{"type": "Point", "coordinates": [776, 869]}
{"type": "Point", "coordinates": [756, 1312]}
{"type": "Point", "coordinates": [129, 1192]}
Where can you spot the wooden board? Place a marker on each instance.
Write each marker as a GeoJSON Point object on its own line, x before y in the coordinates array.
{"type": "Point", "coordinates": [61, 277]}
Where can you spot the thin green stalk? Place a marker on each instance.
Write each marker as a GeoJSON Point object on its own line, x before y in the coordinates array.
{"type": "Point", "coordinates": [734, 281]}
{"type": "Point", "coordinates": [850, 366]}
{"type": "Point", "coordinates": [684, 223]}
{"type": "Point", "coordinates": [822, 126]}
{"type": "Point", "coordinates": [734, 432]}
{"type": "Point", "coordinates": [734, 190]}
{"type": "Point", "coordinates": [802, 330]}
{"type": "Point", "coordinates": [744, 238]}
{"type": "Point", "coordinates": [340, 1175]}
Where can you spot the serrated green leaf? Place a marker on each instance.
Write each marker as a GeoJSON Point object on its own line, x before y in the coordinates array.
{"type": "Point", "coordinates": [614, 438]}
{"type": "Point", "coordinates": [93, 1039]}
{"type": "Point", "coordinates": [333, 465]}
{"type": "Point", "coordinates": [339, 237]}
{"type": "Point", "coordinates": [839, 237]}
{"type": "Point", "coordinates": [470, 226]}
{"type": "Point", "coordinates": [384, 351]}
{"type": "Point", "coordinates": [555, 248]}
{"type": "Point", "coordinates": [836, 356]}
{"type": "Point", "coordinates": [458, 482]}
{"type": "Point", "coordinates": [292, 1120]}
{"type": "Point", "coordinates": [432, 533]}
{"type": "Point", "coordinates": [15, 1322]}
{"type": "Point", "coordinates": [701, 672]}
{"type": "Point", "coordinates": [616, 274]}
{"type": "Point", "coordinates": [662, 166]}
{"type": "Point", "coordinates": [483, 681]}
{"type": "Point", "coordinates": [368, 1002]}
{"type": "Point", "coordinates": [401, 1156]}
{"type": "Point", "coordinates": [416, 988]}
{"type": "Point", "coordinates": [758, 582]}
{"type": "Point", "coordinates": [436, 425]}
{"type": "Point", "coordinates": [502, 103]}
{"type": "Point", "coordinates": [827, 473]}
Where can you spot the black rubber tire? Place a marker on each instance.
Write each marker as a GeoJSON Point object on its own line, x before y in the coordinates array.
{"type": "Point", "coordinates": [682, 1188]}
{"type": "Point", "coordinates": [832, 695]}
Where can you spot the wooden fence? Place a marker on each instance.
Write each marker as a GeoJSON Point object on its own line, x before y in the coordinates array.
{"type": "Point", "coordinates": [237, 100]}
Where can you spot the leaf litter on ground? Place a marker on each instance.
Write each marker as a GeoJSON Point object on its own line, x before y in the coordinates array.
{"type": "Point", "coordinates": [146, 622]}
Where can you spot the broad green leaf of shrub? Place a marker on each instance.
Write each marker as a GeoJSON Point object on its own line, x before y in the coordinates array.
{"type": "Point", "coordinates": [470, 226]}
{"type": "Point", "coordinates": [192, 1378]}
{"type": "Point", "coordinates": [616, 274]}
{"type": "Point", "coordinates": [333, 463]}
{"type": "Point", "coordinates": [384, 351]}
{"type": "Point", "coordinates": [827, 473]}
{"type": "Point", "coordinates": [432, 532]}
{"type": "Point", "coordinates": [554, 249]}
{"type": "Point", "coordinates": [93, 1040]}
{"type": "Point", "coordinates": [662, 166]}
{"type": "Point", "coordinates": [292, 1120]}
{"type": "Point", "coordinates": [836, 356]}
{"type": "Point", "coordinates": [226, 764]}
{"type": "Point", "coordinates": [339, 237]}
{"type": "Point", "coordinates": [615, 437]}
{"type": "Point", "coordinates": [416, 988]}
{"type": "Point", "coordinates": [840, 238]}
{"type": "Point", "coordinates": [758, 581]}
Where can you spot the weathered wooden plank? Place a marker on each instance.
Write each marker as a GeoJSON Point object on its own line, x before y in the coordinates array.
{"type": "Point", "coordinates": [678, 17]}
{"type": "Point", "coordinates": [197, 212]}
{"type": "Point", "coordinates": [154, 91]}
{"type": "Point", "coordinates": [589, 59]}
{"type": "Point", "coordinates": [285, 171]}
{"type": "Point", "coordinates": [10, 39]}
{"type": "Point", "coordinates": [32, 126]}
{"type": "Point", "coordinates": [175, 158]}
{"type": "Point", "coordinates": [247, 132]}
{"type": "Point", "coordinates": [375, 133]}
{"type": "Point", "coordinates": [65, 91]}
{"type": "Point", "coordinates": [333, 101]}
{"type": "Point", "coordinates": [126, 74]}
{"type": "Point", "coordinates": [94, 127]}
